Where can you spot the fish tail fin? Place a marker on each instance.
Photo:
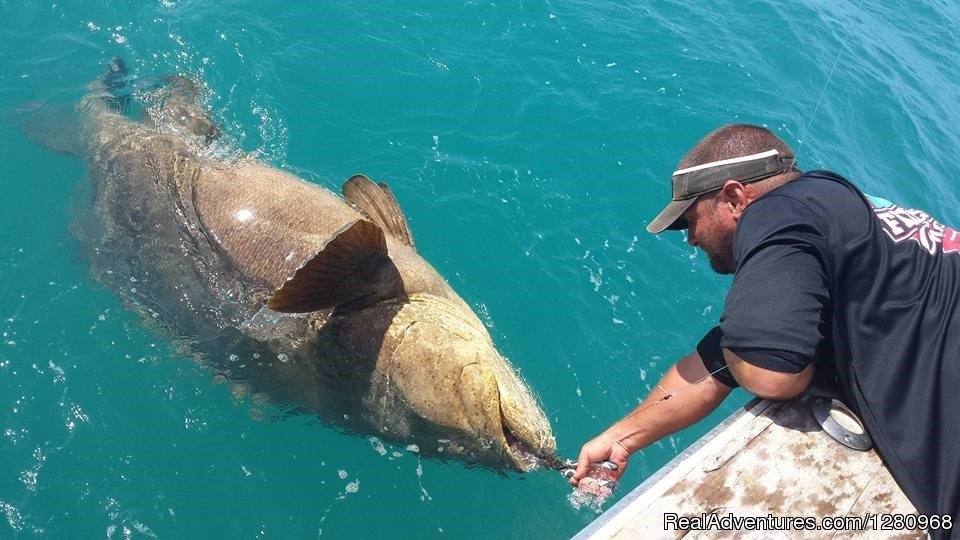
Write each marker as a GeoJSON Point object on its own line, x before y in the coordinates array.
{"type": "Point", "coordinates": [58, 127]}
{"type": "Point", "coordinates": [115, 76]}
{"type": "Point", "coordinates": [111, 90]}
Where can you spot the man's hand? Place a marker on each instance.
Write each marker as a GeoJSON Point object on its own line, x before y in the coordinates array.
{"type": "Point", "coordinates": [685, 395]}
{"type": "Point", "coordinates": [602, 448]}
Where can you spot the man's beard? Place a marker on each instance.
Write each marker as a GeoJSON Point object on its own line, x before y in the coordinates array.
{"type": "Point", "coordinates": [721, 254]}
{"type": "Point", "coordinates": [721, 264]}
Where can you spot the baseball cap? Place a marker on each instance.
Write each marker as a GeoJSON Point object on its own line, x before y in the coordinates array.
{"type": "Point", "coordinates": [691, 182]}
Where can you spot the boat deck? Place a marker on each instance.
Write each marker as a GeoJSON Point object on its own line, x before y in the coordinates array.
{"type": "Point", "coordinates": [769, 461]}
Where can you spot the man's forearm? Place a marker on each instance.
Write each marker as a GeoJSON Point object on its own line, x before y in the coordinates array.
{"type": "Point", "coordinates": [686, 393]}
{"type": "Point", "coordinates": [693, 394]}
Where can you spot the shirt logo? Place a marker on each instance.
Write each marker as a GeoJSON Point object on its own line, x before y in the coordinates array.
{"type": "Point", "coordinates": [903, 224]}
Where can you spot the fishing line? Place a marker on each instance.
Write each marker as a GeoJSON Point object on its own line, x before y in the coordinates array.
{"type": "Point", "coordinates": [823, 91]}
{"type": "Point", "coordinates": [668, 395]}
{"type": "Point", "coordinates": [563, 466]}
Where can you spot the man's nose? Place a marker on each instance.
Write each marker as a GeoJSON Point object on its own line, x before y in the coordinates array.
{"type": "Point", "coordinates": [691, 238]}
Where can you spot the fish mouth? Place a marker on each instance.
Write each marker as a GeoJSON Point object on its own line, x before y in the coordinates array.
{"type": "Point", "coordinates": [518, 452]}
{"type": "Point", "coordinates": [511, 426]}
{"type": "Point", "coordinates": [522, 437]}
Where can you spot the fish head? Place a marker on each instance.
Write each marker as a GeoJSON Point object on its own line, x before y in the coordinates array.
{"type": "Point", "coordinates": [434, 358]}
{"type": "Point", "coordinates": [449, 373]}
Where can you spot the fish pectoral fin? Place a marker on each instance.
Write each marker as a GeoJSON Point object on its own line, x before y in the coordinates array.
{"type": "Point", "coordinates": [378, 203]}
{"type": "Point", "coordinates": [353, 270]}
{"type": "Point", "coordinates": [480, 399]}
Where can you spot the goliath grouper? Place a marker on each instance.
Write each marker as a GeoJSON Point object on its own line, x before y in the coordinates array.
{"type": "Point", "coordinates": [280, 284]}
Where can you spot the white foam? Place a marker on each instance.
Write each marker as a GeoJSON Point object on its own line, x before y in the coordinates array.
{"type": "Point", "coordinates": [377, 445]}
{"type": "Point", "coordinates": [581, 500]}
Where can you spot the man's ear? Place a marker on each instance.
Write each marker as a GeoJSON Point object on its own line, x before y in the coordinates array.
{"type": "Point", "coordinates": [734, 193]}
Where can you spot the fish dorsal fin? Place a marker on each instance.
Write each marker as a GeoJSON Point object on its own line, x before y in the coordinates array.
{"type": "Point", "coordinates": [353, 270]}
{"type": "Point", "coordinates": [377, 202]}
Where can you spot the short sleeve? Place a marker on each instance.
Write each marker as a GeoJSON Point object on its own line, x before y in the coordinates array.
{"type": "Point", "coordinates": [711, 354]}
{"type": "Point", "coordinates": [780, 289]}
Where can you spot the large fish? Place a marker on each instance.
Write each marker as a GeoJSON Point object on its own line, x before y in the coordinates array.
{"type": "Point", "coordinates": [307, 297]}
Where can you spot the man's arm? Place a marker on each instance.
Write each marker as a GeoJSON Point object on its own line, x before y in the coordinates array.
{"type": "Point", "coordinates": [693, 395]}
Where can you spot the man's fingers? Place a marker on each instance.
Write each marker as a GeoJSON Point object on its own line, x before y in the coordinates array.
{"type": "Point", "coordinates": [583, 464]}
{"type": "Point", "coordinates": [597, 488]}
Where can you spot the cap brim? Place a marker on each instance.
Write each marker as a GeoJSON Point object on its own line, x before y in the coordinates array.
{"type": "Point", "coordinates": [671, 217]}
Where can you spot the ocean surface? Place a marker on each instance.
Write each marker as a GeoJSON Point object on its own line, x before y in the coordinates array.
{"type": "Point", "coordinates": [529, 143]}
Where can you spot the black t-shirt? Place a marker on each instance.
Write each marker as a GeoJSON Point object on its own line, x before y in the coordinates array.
{"type": "Point", "coordinates": [869, 289]}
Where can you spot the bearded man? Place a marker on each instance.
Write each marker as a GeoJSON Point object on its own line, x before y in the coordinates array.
{"type": "Point", "coordinates": [827, 279]}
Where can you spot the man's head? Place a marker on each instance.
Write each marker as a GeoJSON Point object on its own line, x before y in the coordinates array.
{"type": "Point", "coordinates": [715, 182]}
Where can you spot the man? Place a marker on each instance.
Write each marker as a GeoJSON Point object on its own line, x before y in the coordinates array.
{"type": "Point", "coordinates": [826, 279]}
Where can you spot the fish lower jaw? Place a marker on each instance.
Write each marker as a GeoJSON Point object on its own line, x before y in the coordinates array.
{"type": "Point", "coordinates": [520, 457]}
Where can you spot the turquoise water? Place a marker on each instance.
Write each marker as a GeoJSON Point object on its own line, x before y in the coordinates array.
{"type": "Point", "coordinates": [529, 144]}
